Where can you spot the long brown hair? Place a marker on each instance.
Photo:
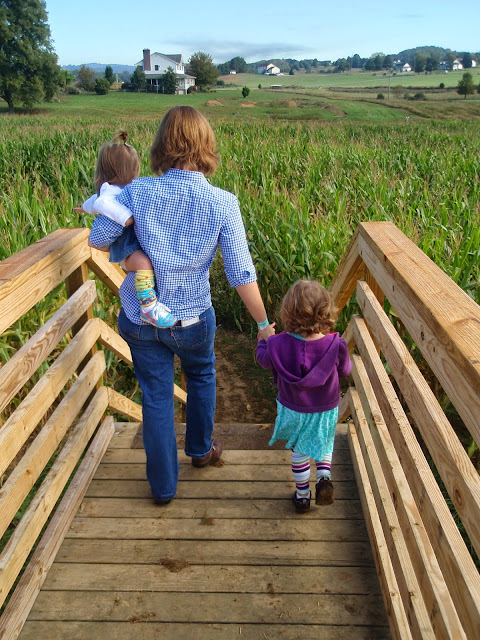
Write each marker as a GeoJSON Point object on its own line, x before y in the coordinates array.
{"type": "Point", "coordinates": [118, 162]}
{"type": "Point", "coordinates": [184, 140]}
{"type": "Point", "coordinates": [307, 308]}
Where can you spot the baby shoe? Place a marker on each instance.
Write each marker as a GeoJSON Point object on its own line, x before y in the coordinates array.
{"type": "Point", "coordinates": [324, 491]}
{"type": "Point", "coordinates": [302, 505]}
{"type": "Point", "coordinates": [159, 315]}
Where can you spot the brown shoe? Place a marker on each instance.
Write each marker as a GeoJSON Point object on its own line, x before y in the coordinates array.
{"type": "Point", "coordinates": [302, 505]}
{"type": "Point", "coordinates": [324, 491]}
{"type": "Point", "coordinates": [213, 456]}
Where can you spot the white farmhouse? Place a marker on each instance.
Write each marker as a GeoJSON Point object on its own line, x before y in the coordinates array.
{"type": "Point", "coordinates": [155, 65]}
{"type": "Point", "coordinates": [457, 65]}
{"type": "Point", "coordinates": [268, 69]}
{"type": "Point", "coordinates": [406, 68]}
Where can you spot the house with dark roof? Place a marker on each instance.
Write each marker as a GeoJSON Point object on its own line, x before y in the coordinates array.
{"type": "Point", "coordinates": [155, 65]}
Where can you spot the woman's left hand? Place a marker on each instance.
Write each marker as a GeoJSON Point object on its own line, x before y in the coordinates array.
{"type": "Point", "coordinates": [265, 334]}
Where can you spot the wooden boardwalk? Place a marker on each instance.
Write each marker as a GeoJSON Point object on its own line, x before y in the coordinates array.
{"type": "Point", "coordinates": [228, 558]}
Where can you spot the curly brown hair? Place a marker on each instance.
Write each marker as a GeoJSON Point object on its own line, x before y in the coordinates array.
{"type": "Point", "coordinates": [307, 308]}
{"type": "Point", "coordinates": [184, 139]}
{"type": "Point", "coordinates": [118, 162]}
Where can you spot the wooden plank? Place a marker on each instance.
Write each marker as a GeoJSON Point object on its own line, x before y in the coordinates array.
{"type": "Point", "coordinates": [271, 473]}
{"type": "Point", "coordinates": [229, 456]}
{"type": "Point", "coordinates": [409, 587]}
{"type": "Point", "coordinates": [109, 273]}
{"type": "Point", "coordinates": [123, 405]}
{"type": "Point", "coordinates": [201, 508]}
{"type": "Point", "coordinates": [454, 466]}
{"type": "Point", "coordinates": [211, 579]}
{"type": "Point", "coordinates": [458, 568]}
{"type": "Point", "coordinates": [25, 474]}
{"type": "Point", "coordinates": [20, 368]}
{"type": "Point", "coordinates": [19, 605]}
{"type": "Point", "coordinates": [350, 269]}
{"type": "Point", "coordinates": [206, 528]}
{"type": "Point", "coordinates": [218, 552]}
{"type": "Point", "coordinates": [25, 418]}
{"type": "Point", "coordinates": [197, 489]}
{"type": "Point", "coordinates": [391, 595]}
{"type": "Point", "coordinates": [73, 283]}
{"type": "Point", "coordinates": [28, 257]}
{"type": "Point", "coordinates": [442, 319]}
{"type": "Point", "coordinates": [147, 629]}
{"type": "Point", "coordinates": [206, 607]}
{"type": "Point", "coordinates": [438, 601]}
{"type": "Point", "coordinates": [112, 341]}
{"type": "Point", "coordinates": [47, 268]}
{"type": "Point", "coordinates": [124, 435]}
{"type": "Point", "coordinates": [22, 540]}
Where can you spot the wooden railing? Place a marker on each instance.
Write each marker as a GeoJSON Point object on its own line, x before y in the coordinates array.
{"type": "Point", "coordinates": [61, 424]}
{"type": "Point", "coordinates": [430, 583]}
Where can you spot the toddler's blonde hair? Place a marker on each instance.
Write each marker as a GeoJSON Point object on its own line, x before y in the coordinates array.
{"type": "Point", "coordinates": [307, 308]}
{"type": "Point", "coordinates": [118, 162]}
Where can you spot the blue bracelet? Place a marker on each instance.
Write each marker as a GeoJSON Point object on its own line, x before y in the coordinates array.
{"type": "Point", "coordinates": [263, 325]}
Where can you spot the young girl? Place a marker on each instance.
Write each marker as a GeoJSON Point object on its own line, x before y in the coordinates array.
{"type": "Point", "coordinates": [307, 361]}
{"type": "Point", "coordinates": [117, 165]}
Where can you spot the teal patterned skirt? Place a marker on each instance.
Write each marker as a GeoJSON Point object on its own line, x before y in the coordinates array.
{"type": "Point", "coordinates": [309, 433]}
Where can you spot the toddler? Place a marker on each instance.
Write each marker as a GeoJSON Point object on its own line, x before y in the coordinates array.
{"type": "Point", "coordinates": [117, 165]}
{"type": "Point", "coordinates": [307, 361]}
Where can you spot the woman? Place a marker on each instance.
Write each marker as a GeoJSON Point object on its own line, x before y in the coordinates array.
{"type": "Point", "coordinates": [180, 219]}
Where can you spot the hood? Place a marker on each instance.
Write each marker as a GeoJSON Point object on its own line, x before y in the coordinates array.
{"type": "Point", "coordinates": [304, 363]}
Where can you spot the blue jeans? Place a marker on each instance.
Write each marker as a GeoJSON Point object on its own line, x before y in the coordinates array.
{"type": "Point", "coordinates": [153, 353]}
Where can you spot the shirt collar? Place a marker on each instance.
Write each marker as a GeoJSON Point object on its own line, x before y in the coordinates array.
{"type": "Point", "coordinates": [181, 174]}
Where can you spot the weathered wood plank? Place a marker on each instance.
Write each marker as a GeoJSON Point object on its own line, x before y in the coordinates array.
{"type": "Point", "coordinates": [224, 490]}
{"type": "Point", "coordinates": [25, 418]}
{"type": "Point", "coordinates": [438, 601]}
{"type": "Point", "coordinates": [231, 508]}
{"type": "Point", "coordinates": [171, 578]}
{"type": "Point", "coordinates": [207, 528]}
{"type": "Point", "coordinates": [402, 564]}
{"type": "Point", "coordinates": [204, 607]}
{"type": "Point", "coordinates": [19, 605]}
{"type": "Point", "coordinates": [123, 405]}
{"type": "Point", "coordinates": [235, 472]}
{"type": "Point", "coordinates": [147, 629]}
{"type": "Point", "coordinates": [112, 341]}
{"type": "Point", "coordinates": [391, 595]}
{"type": "Point", "coordinates": [22, 540]}
{"type": "Point", "coordinates": [16, 371]}
{"type": "Point", "coordinates": [350, 269]}
{"type": "Point", "coordinates": [17, 486]}
{"type": "Point", "coordinates": [109, 273]}
{"type": "Point", "coordinates": [47, 267]}
{"type": "Point", "coordinates": [229, 456]}
{"type": "Point", "coordinates": [217, 552]}
{"type": "Point", "coordinates": [441, 318]}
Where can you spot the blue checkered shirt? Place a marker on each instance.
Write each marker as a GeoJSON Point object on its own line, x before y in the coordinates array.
{"type": "Point", "coordinates": [180, 219]}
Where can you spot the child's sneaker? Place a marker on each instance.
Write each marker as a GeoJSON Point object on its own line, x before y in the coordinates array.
{"type": "Point", "coordinates": [324, 491]}
{"type": "Point", "coordinates": [302, 505]}
{"type": "Point", "coordinates": [158, 314]}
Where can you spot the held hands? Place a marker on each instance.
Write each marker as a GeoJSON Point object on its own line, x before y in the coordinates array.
{"type": "Point", "coordinates": [79, 210]}
{"type": "Point", "coordinates": [265, 334]}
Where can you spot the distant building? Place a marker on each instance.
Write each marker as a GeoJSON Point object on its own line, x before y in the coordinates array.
{"type": "Point", "coordinates": [155, 66]}
{"type": "Point", "coordinates": [406, 68]}
{"type": "Point", "coordinates": [268, 69]}
{"type": "Point", "coordinates": [457, 65]}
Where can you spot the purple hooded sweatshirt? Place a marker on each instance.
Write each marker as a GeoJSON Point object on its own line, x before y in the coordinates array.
{"type": "Point", "coordinates": [306, 372]}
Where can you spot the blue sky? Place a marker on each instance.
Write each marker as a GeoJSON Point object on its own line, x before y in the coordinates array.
{"type": "Point", "coordinates": [116, 32]}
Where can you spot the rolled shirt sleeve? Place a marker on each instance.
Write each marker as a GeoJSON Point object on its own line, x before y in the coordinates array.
{"type": "Point", "coordinates": [232, 241]}
{"type": "Point", "coordinates": [104, 231]}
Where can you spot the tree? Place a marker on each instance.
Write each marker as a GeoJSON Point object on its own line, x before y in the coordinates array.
{"type": "Point", "coordinates": [109, 74]}
{"type": "Point", "coordinates": [356, 61]}
{"type": "Point", "coordinates": [467, 61]}
{"type": "Point", "coordinates": [465, 85]}
{"type": "Point", "coordinates": [102, 86]}
{"type": "Point", "coordinates": [86, 77]}
{"type": "Point", "coordinates": [387, 62]}
{"type": "Point", "coordinates": [420, 62]}
{"type": "Point", "coordinates": [138, 80]}
{"type": "Point", "coordinates": [201, 66]}
{"type": "Point", "coordinates": [29, 72]}
{"type": "Point", "coordinates": [450, 59]}
{"type": "Point", "coordinates": [66, 78]}
{"type": "Point", "coordinates": [238, 64]}
{"type": "Point", "coordinates": [432, 63]}
{"type": "Point", "coordinates": [169, 81]}
{"type": "Point", "coordinates": [245, 92]}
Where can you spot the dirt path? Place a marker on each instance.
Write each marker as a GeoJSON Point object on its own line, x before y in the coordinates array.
{"type": "Point", "coordinates": [245, 391]}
